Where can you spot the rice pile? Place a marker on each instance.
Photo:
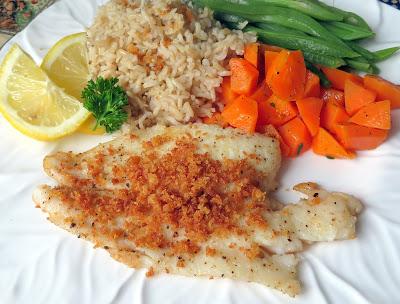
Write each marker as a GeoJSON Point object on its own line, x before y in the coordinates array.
{"type": "Point", "coordinates": [169, 58]}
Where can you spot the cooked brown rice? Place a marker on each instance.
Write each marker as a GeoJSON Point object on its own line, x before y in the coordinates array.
{"type": "Point", "coordinates": [170, 59]}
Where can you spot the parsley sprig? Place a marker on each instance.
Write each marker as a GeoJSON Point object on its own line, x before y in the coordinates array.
{"type": "Point", "coordinates": [106, 100]}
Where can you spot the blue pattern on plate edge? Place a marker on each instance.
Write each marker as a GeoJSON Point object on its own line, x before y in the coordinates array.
{"type": "Point", "coordinates": [394, 3]}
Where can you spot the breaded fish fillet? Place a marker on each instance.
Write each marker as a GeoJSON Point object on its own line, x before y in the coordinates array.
{"type": "Point", "coordinates": [192, 200]}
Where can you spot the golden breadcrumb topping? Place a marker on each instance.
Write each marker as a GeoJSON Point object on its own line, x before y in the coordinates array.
{"type": "Point", "coordinates": [172, 201]}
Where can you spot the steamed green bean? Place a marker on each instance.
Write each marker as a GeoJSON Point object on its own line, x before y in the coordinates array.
{"type": "Point", "coordinates": [297, 42]}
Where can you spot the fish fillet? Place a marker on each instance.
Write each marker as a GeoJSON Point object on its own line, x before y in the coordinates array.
{"type": "Point", "coordinates": [193, 200]}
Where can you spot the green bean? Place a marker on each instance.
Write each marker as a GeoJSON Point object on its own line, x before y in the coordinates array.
{"type": "Point", "coordinates": [259, 12]}
{"type": "Point", "coordinates": [298, 24]}
{"type": "Point", "coordinates": [322, 77]}
{"type": "Point", "coordinates": [361, 65]}
{"type": "Point", "coordinates": [385, 53]}
{"type": "Point", "coordinates": [373, 57]}
{"type": "Point", "coordinates": [309, 8]}
{"type": "Point", "coordinates": [354, 19]}
{"type": "Point", "coordinates": [374, 69]}
{"type": "Point", "coordinates": [279, 28]}
{"type": "Point", "coordinates": [362, 59]}
{"type": "Point", "coordinates": [329, 61]}
{"type": "Point", "coordinates": [229, 18]}
{"type": "Point", "coordinates": [370, 56]}
{"type": "Point", "coordinates": [288, 19]}
{"type": "Point", "coordinates": [348, 17]}
{"type": "Point", "coordinates": [347, 31]}
{"type": "Point", "coordinates": [262, 13]}
{"type": "Point", "coordinates": [297, 42]}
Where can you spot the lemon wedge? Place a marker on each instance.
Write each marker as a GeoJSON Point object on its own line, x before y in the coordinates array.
{"type": "Point", "coordinates": [66, 64]}
{"type": "Point", "coordinates": [33, 103]}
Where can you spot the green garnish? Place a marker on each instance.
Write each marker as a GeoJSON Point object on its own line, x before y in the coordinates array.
{"type": "Point", "coordinates": [106, 100]}
{"type": "Point", "coordinates": [299, 149]}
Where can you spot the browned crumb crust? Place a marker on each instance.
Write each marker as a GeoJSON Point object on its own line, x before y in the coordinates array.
{"type": "Point", "coordinates": [179, 191]}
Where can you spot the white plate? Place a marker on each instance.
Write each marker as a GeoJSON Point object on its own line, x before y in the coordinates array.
{"type": "Point", "coordinates": [40, 263]}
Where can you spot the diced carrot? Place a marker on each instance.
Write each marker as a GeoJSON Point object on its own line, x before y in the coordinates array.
{"type": "Point", "coordinates": [275, 111]}
{"type": "Point", "coordinates": [287, 75]}
{"type": "Point", "coordinates": [355, 137]}
{"type": "Point", "coordinates": [325, 144]}
{"type": "Point", "coordinates": [244, 76]}
{"type": "Point", "coordinates": [356, 96]}
{"type": "Point", "coordinates": [332, 115]}
{"type": "Point", "coordinates": [262, 93]}
{"type": "Point", "coordinates": [310, 113]}
{"type": "Point", "coordinates": [251, 53]}
{"type": "Point", "coordinates": [374, 115]}
{"type": "Point", "coordinates": [272, 48]}
{"type": "Point", "coordinates": [338, 77]}
{"type": "Point", "coordinates": [296, 136]}
{"type": "Point", "coordinates": [262, 48]}
{"type": "Point", "coordinates": [334, 96]}
{"type": "Point", "coordinates": [312, 88]}
{"type": "Point", "coordinates": [271, 131]}
{"type": "Point", "coordinates": [269, 58]}
{"type": "Point", "coordinates": [227, 95]}
{"type": "Point", "coordinates": [215, 119]}
{"type": "Point", "coordinates": [242, 113]}
{"type": "Point", "coordinates": [385, 89]}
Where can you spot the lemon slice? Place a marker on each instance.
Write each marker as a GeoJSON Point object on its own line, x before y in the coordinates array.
{"type": "Point", "coordinates": [66, 64]}
{"type": "Point", "coordinates": [32, 103]}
